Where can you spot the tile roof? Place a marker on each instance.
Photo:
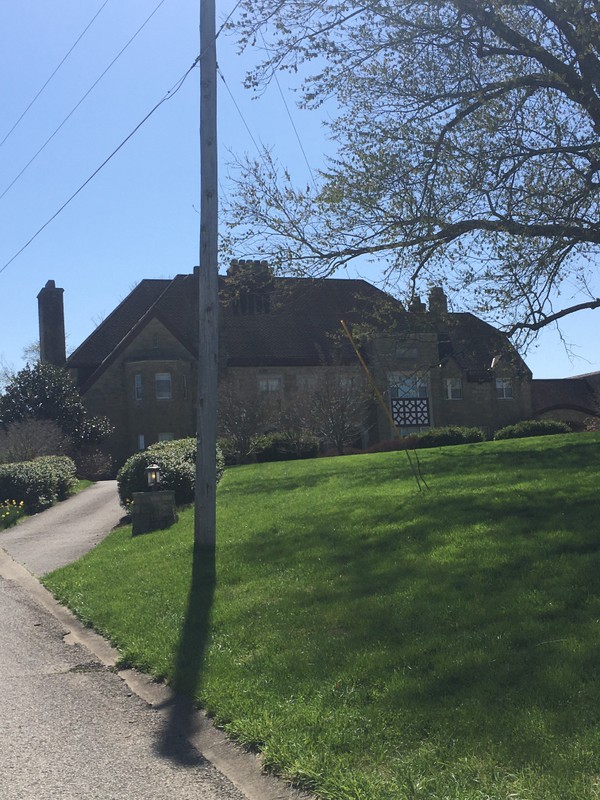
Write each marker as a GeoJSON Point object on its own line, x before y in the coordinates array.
{"type": "Point", "coordinates": [301, 329]}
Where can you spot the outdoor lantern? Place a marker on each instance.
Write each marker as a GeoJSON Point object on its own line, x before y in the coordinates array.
{"type": "Point", "coordinates": [153, 475]}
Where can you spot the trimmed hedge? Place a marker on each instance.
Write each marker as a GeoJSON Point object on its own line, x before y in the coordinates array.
{"type": "Point", "coordinates": [532, 427]}
{"type": "Point", "coordinates": [449, 435]}
{"type": "Point", "coordinates": [435, 437]}
{"type": "Point", "coordinates": [177, 462]}
{"type": "Point", "coordinates": [39, 483]}
{"type": "Point", "coordinates": [286, 447]}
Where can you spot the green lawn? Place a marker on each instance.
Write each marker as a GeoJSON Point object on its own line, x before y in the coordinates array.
{"type": "Point", "coordinates": [377, 642]}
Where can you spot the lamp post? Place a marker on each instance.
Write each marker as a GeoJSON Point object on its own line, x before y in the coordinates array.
{"type": "Point", "coordinates": [155, 508]}
{"type": "Point", "coordinates": [153, 476]}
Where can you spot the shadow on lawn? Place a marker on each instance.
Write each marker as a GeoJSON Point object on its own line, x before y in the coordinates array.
{"type": "Point", "coordinates": [173, 742]}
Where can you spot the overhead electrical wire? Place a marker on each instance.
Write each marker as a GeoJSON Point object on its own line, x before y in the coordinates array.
{"type": "Point", "coordinates": [74, 109]}
{"type": "Point", "coordinates": [171, 93]}
{"type": "Point", "coordinates": [79, 38]}
{"type": "Point", "coordinates": [295, 129]}
{"type": "Point", "coordinates": [177, 86]}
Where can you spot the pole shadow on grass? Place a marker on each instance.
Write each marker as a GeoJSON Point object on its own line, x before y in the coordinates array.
{"type": "Point", "coordinates": [174, 737]}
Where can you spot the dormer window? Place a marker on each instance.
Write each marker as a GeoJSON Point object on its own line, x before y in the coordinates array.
{"type": "Point", "coordinates": [249, 287]}
{"type": "Point", "coordinates": [252, 303]}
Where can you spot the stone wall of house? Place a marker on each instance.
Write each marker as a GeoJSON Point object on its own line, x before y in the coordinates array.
{"type": "Point", "coordinates": [488, 400]}
{"type": "Point", "coordinates": [138, 404]}
{"type": "Point", "coordinates": [143, 412]}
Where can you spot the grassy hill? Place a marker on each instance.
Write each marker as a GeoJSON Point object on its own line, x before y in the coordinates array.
{"type": "Point", "coordinates": [374, 641]}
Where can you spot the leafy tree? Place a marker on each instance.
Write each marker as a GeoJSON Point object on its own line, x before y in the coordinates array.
{"type": "Point", "coordinates": [46, 392]}
{"type": "Point", "coordinates": [468, 148]}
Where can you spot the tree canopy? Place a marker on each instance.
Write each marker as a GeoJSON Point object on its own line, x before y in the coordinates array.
{"type": "Point", "coordinates": [46, 392]}
{"type": "Point", "coordinates": [468, 138]}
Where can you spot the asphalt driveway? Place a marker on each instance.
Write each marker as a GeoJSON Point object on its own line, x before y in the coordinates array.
{"type": "Point", "coordinates": [66, 531]}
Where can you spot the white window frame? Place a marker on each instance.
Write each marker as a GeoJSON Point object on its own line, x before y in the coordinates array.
{"type": "Point", "coordinates": [453, 388]}
{"type": "Point", "coordinates": [138, 389]}
{"type": "Point", "coordinates": [306, 383]}
{"type": "Point", "coordinates": [407, 384]}
{"type": "Point", "coordinates": [504, 389]}
{"type": "Point", "coordinates": [270, 383]}
{"type": "Point", "coordinates": [162, 379]}
{"type": "Point", "coordinates": [141, 442]}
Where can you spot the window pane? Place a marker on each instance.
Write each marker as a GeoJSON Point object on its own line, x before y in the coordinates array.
{"type": "Point", "coordinates": [141, 441]}
{"type": "Point", "coordinates": [163, 385]}
{"type": "Point", "coordinates": [504, 389]}
{"type": "Point", "coordinates": [165, 437]}
{"type": "Point", "coordinates": [269, 383]}
{"type": "Point", "coordinates": [453, 389]}
{"type": "Point", "coordinates": [407, 385]}
{"type": "Point", "coordinates": [137, 386]}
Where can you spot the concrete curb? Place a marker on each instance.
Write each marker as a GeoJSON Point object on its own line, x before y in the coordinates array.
{"type": "Point", "coordinates": [242, 768]}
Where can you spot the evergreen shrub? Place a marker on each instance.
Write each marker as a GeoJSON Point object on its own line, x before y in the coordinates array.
{"type": "Point", "coordinates": [177, 463]}
{"type": "Point", "coordinates": [38, 483]}
{"type": "Point", "coordinates": [532, 427]}
{"type": "Point", "coordinates": [286, 446]}
{"type": "Point", "coordinates": [449, 435]}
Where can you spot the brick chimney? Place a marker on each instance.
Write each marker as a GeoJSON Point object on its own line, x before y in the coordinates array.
{"type": "Point", "coordinates": [52, 325]}
{"type": "Point", "coordinates": [438, 304]}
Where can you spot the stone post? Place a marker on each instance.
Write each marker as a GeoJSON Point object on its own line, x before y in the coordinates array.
{"type": "Point", "coordinates": [152, 511]}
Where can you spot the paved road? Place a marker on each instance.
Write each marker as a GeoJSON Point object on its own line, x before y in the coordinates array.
{"type": "Point", "coordinates": [71, 726]}
{"type": "Point", "coordinates": [72, 730]}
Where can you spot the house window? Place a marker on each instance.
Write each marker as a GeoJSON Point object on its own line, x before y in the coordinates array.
{"type": "Point", "coordinates": [137, 386]}
{"type": "Point", "coordinates": [407, 385]}
{"type": "Point", "coordinates": [162, 382]}
{"type": "Point", "coordinates": [504, 389]}
{"type": "Point", "coordinates": [403, 351]}
{"type": "Point", "coordinates": [141, 441]}
{"type": "Point", "coordinates": [269, 383]}
{"type": "Point", "coordinates": [409, 400]}
{"type": "Point", "coordinates": [306, 383]}
{"type": "Point", "coordinates": [454, 389]}
{"type": "Point", "coordinates": [165, 437]}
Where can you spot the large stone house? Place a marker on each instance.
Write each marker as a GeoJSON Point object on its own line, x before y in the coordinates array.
{"type": "Point", "coordinates": [282, 336]}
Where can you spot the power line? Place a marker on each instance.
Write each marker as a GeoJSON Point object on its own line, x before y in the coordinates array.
{"type": "Point", "coordinates": [239, 110]}
{"type": "Point", "coordinates": [295, 129]}
{"type": "Point", "coordinates": [73, 110]}
{"type": "Point", "coordinates": [166, 97]}
{"type": "Point", "coordinates": [79, 38]}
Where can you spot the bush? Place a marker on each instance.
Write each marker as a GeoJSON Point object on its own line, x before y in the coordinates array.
{"type": "Point", "coordinates": [284, 446]}
{"type": "Point", "coordinates": [451, 434]}
{"type": "Point", "coordinates": [39, 483]}
{"type": "Point", "coordinates": [92, 464]}
{"type": "Point", "coordinates": [532, 427]}
{"type": "Point", "coordinates": [229, 447]}
{"type": "Point", "coordinates": [30, 439]}
{"type": "Point", "coordinates": [177, 462]}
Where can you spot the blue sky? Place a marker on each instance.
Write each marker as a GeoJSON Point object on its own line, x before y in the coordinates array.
{"type": "Point", "coordinates": [138, 218]}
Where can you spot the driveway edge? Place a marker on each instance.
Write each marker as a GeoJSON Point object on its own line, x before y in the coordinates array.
{"type": "Point", "coordinates": [242, 768]}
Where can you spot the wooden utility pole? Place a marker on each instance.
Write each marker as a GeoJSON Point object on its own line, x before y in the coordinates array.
{"type": "Point", "coordinates": [208, 293]}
